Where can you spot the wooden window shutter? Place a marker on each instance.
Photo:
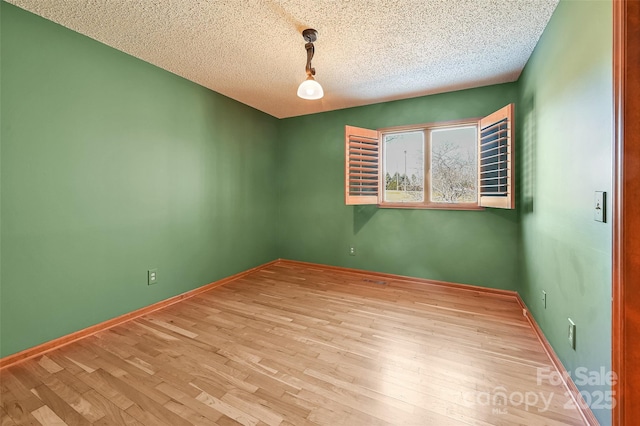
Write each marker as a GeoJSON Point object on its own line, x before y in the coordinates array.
{"type": "Point", "coordinates": [363, 161]}
{"type": "Point", "coordinates": [496, 155]}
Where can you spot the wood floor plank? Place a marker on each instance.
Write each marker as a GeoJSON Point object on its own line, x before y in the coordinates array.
{"type": "Point", "coordinates": [59, 406]}
{"type": "Point", "coordinates": [190, 415]}
{"type": "Point", "coordinates": [230, 411]}
{"type": "Point", "coordinates": [298, 345]}
{"type": "Point", "coordinates": [17, 387]}
{"type": "Point", "coordinates": [97, 383]}
{"type": "Point", "coordinates": [249, 404]}
{"type": "Point", "coordinates": [47, 416]}
{"type": "Point", "coordinates": [5, 420]}
{"type": "Point", "coordinates": [74, 399]}
{"type": "Point", "coordinates": [146, 398]}
{"type": "Point", "coordinates": [190, 401]}
{"type": "Point", "coordinates": [49, 365]}
{"type": "Point", "coordinates": [113, 415]}
{"type": "Point", "coordinates": [16, 409]}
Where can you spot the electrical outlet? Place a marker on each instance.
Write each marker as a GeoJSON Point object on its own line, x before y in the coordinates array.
{"type": "Point", "coordinates": [352, 251]}
{"type": "Point", "coordinates": [152, 276]}
{"type": "Point", "coordinates": [600, 214]}
{"type": "Point", "coordinates": [544, 299]}
{"type": "Point", "coordinates": [572, 334]}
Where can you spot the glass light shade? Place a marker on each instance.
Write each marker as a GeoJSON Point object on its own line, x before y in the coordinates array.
{"type": "Point", "coordinates": [310, 89]}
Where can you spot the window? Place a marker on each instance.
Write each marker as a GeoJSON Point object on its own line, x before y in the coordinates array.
{"type": "Point", "coordinates": [465, 164]}
{"type": "Point", "coordinates": [403, 167]}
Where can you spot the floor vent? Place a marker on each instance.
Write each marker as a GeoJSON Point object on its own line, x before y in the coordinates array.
{"type": "Point", "coordinates": [375, 282]}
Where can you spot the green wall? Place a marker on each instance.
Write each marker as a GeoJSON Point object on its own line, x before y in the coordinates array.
{"type": "Point", "coordinates": [110, 167]}
{"type": "Point", "coordinates": [471, 247]}
{"type": "Point", "coordinates": [565, 156]}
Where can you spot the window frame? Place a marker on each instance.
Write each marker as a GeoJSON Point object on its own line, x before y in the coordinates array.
{"type": "Point", "coordinates": [495, 133]}
{"type": "Point", "coordinates": [425, 128]}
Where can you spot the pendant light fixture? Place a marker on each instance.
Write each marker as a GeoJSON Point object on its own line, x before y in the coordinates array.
{"type": "Point", "coordinates": [310, 88]}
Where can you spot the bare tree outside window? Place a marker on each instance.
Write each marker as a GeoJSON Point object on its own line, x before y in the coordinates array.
{"type": "Point", "coordinates": [454, 165]}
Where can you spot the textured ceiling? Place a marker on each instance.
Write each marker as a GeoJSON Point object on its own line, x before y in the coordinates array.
{"type": "Point", "coordinates": [367, 51]}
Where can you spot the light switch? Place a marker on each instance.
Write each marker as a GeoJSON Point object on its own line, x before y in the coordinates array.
{"type": "Point", "coordinates": [600, 214]}
{"type": "Point", "coordinates": [572, 334]}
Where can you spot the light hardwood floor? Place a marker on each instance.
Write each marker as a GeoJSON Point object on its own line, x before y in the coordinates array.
{"type": "Point", "coordinates": [299, 345]}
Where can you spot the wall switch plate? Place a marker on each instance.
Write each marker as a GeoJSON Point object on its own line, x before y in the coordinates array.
{"type": "Point", "coordinates": [572, 334]}
{"type": "Point", "coordinates": [152, 276]}
{"type": "Point", "coordinates": [352, 251]}
{"type": "Point", "coordinates": [600, 202]}
{"type": "Point", "coordinates": [544, 299]}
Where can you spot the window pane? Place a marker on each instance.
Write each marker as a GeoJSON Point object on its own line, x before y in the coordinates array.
{"type": "Point", "coordinates": [404, 167]}
{"type": "Point", "coordinates": [454, 165]}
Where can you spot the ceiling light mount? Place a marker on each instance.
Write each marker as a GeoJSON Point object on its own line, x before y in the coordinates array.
{"type": "Point", "coordinates": [310, 35]}
{"type": "Point", "coordinates": [310, 88]}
